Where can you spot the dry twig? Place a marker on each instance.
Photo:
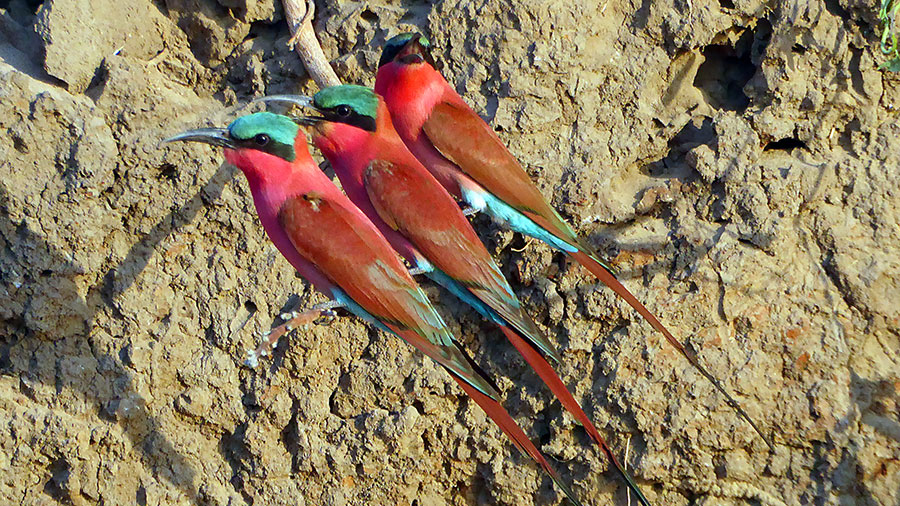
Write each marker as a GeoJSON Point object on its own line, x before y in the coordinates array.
{"type": "Point", "coordinates": [299, 16]}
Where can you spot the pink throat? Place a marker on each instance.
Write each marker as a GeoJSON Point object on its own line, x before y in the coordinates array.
{"type": "Point", "coordinates": [268, 176]}
{"type": "Point", "coordinates": [340, 142]}
{"type": "Point", "coordinates": [273, 180]}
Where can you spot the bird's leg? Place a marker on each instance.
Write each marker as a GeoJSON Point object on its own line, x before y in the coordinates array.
{"type": "Point", "coordinates": [469, 211]}
{"type": "Point", "coordinates": [293, 320]}
{"type": "Point", "coordinates": [415, 271]}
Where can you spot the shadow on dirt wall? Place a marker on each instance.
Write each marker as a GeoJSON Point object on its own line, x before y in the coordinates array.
{"type": "Point", "coordinates": [36, 272]}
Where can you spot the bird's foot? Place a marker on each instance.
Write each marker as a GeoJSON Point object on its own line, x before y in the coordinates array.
{"type": "Point", "coordinates": [292, 320]}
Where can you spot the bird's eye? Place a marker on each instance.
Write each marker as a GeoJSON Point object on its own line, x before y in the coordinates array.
{"type": "Point", "coordinates": [261, 139]}
{"type": "Point", "coordinates": [343, 110]}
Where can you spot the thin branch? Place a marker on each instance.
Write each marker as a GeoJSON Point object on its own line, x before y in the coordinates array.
{"type": "Point", "coordinates": [303, 39]}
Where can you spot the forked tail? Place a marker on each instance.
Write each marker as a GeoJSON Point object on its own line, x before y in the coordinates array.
{"type": "Point", "coordinates": [609, 280]}
{"type": "Point", "coordinates": [552, 380]}
{"type": "Point", "coordinates": [509, 427]}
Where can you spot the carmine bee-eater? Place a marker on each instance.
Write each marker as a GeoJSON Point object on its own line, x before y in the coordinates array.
{"type": "Point", "coordinates": [425, 224]}
{"type": "Point", "coordinates": [333, 245]}
{"type": "Point", "coordinates": [468, 158]}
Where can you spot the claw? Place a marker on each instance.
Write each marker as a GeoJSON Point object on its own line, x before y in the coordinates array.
{"type": "Point", "coordinates": [293, 320]}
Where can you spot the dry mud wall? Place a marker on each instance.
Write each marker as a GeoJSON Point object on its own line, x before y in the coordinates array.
{"type": "Point", "coordinates": [737, 160]}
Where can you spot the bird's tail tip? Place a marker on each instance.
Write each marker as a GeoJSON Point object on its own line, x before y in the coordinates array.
{"type": "Point", "coordinates": [607, 276]}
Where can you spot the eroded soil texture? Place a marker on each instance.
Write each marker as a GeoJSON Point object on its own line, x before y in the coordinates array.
{"type": "Point", "coordinates": [736, 160]}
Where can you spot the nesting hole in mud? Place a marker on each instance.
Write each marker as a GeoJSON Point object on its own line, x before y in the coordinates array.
{"type": "Point", "coordinates": [727, 69]}
{"type": "Point", "coordinates": [368, 15]}
{"type": "Point", "coordinates": [787, 144]}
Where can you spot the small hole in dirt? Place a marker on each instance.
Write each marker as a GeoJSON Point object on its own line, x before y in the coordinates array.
{"type": "Point", "coordinates": [722, 78]}
{"type": "Point", "coordinates": [726, 4]}
{"type": "Point", "coordinates": [696, 132]}
{"type": "Point", "coordinates": [250, 306]}
{"type": "Point", "coordinates": [498, 128]}
{"type": "Point", "coordinates": [835, 8]}
{"type": "Point", "coordinates": [55, 486]}
{"type": "Point", "coordinates": [168, 171]}
{"type": "Point", "coordinates": [786, 144]}
{"type": "Point", "coordinates": [19, 144]}
{"type": "Point", "coordinates": [727, 69]}
{"type": "Point", "coordinates": [141, 496]}
{"type": "Point", "coordinates": [369, 16]}
{"type": "Point", "coordinates": [5, 361]}
{"type": "Point", "coordinates": [797, 48]}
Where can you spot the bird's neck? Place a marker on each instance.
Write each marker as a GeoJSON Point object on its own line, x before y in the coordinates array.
{"type": "Point", "coordinates": [273, 179]}
{"type": "Point", "coordinates": [350, 149]}
{"type": "Point", "coordinates": [411, 92]}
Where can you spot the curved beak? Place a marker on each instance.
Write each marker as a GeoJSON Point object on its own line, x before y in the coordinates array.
{"type": "Point", "coordinates": [302, 101]}
{"type": "Point", "coordinates": [214, 136]}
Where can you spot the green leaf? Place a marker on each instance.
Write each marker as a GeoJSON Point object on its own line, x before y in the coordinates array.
{"type": "Point", "coordinates": [891, 65]}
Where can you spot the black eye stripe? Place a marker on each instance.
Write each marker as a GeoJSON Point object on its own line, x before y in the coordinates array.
{"type": "Point", "coordinates": [352, 118]}
{"type": "Point", "coordinates": [268, 145]}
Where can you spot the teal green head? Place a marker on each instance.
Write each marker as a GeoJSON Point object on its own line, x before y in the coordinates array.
{"type": "Point", "coordinates": [262, 131]}
{"type": "Point", "coordinates": [407, 49]}
{"type": "Point", "coordinates": [350, 104]}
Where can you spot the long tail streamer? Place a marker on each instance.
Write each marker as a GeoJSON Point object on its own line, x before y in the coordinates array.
{"type": "Point", "coordinates": [609, 280]}
{"type": "Point", "coordinates": [552, 380]}
{"type": "Point", "coordinates": [509, 427]}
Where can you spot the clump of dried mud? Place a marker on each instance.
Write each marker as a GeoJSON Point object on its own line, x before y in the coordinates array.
{"type": "Point", "coordinates": [737, 160]}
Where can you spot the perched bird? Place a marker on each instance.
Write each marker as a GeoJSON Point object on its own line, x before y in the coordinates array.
{"type": "Point", "coordinates": [471, 162]}
{"type": "Point", "coordinates": [332, 244]}
{"type": "Point", "coordinates": [425, 224]}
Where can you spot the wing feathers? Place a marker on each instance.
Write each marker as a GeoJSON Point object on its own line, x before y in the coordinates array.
{"type": "Point", "coordinates": [409, 199]}
{"type": "Point", "coordinates": [348, 249]}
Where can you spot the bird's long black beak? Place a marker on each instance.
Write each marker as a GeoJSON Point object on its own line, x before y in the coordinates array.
{"type": "Point", "coordinates": [302, 101]}
{"type": "Point", "coordinates": [214, 136]}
